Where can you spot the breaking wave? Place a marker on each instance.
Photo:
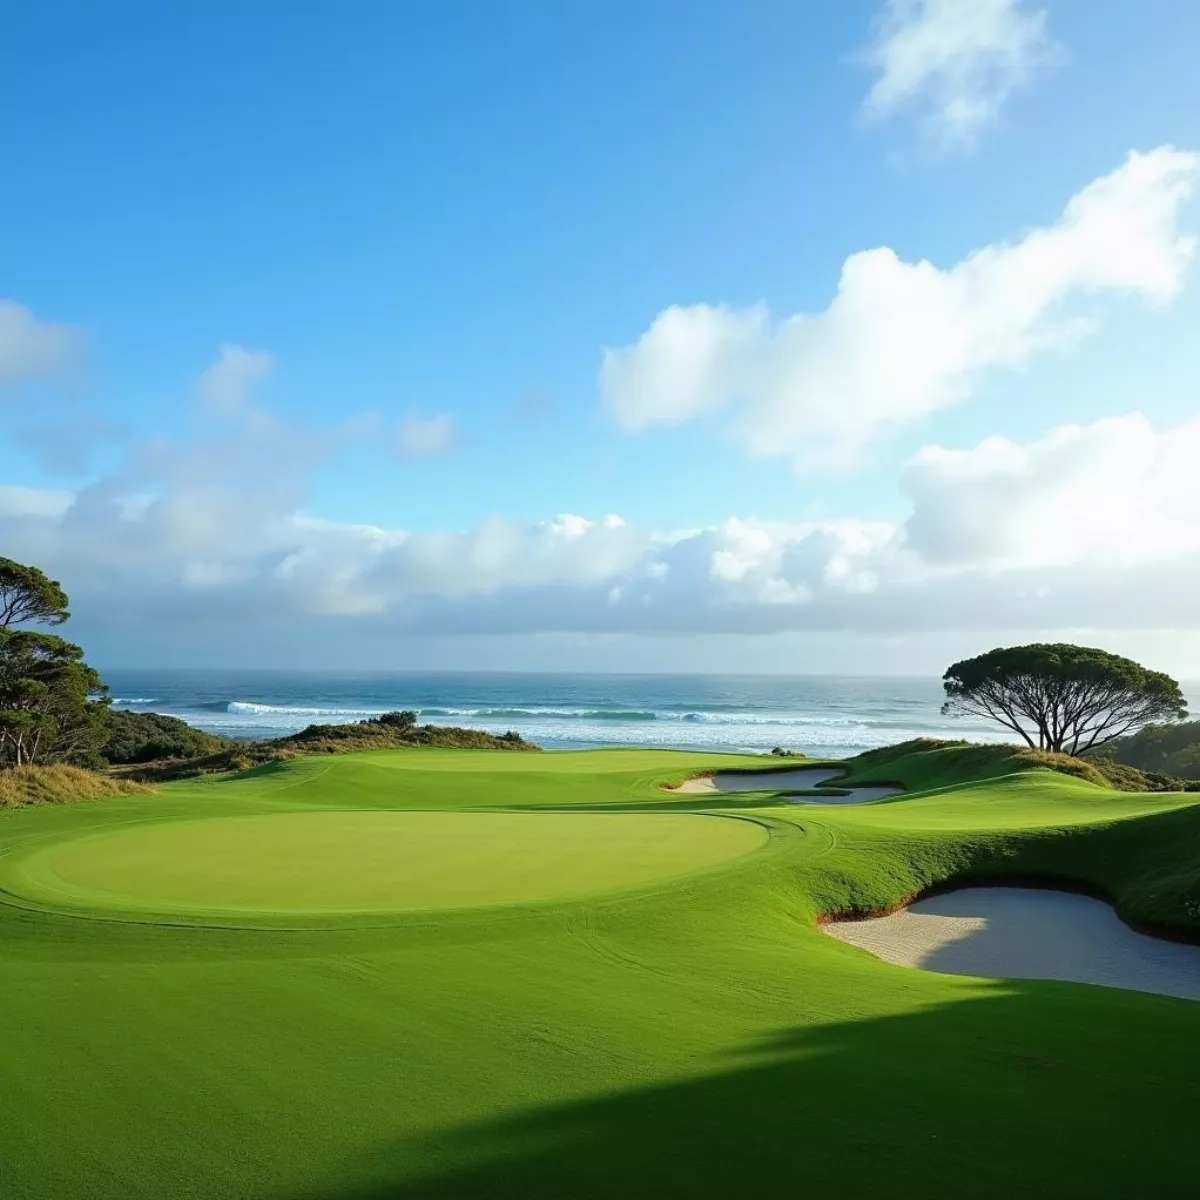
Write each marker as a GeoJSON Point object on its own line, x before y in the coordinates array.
{"type": "Point", "coordinates": [727, 716]}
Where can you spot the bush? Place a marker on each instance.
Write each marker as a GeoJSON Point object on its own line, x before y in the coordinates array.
{"type": "Point", "coordinates": [149, 737]}
{"type": "Point", "coordinates": [388, 731]}
{"type": "Point", "coordinates": [1169, 749]}
{"type": "Point", "coordinates": [399, 720]}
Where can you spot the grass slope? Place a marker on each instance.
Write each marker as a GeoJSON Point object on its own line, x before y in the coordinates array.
{"type": "Point", "coordinates": [693, 1037]}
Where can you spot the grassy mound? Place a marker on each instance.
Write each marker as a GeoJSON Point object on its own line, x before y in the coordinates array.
{"type": "Point", "coordinates": [57, 784]}
{"type": "Point", "coordinates": [938, 762]}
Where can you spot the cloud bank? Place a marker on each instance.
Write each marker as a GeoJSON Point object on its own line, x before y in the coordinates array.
{"type": "Point", "coordinates": [1063, 531]}
{"type": "Point", "coordinates": [901, 340]}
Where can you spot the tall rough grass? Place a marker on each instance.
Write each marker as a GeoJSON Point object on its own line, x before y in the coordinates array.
{"type": "Point", "coordinates": [58, 784]}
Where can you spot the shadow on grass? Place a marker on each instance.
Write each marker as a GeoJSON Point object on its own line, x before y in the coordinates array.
{"type": "Point", "coordinates": [1022, 1089]}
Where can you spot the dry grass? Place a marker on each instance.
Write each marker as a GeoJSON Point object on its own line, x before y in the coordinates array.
{"type": "Point", "coordinates": [58, 784]}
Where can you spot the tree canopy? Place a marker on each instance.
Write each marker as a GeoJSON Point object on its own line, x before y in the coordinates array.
{"type": "Point", "coordinates": [28, 594]}
{"type": "Point", "coordinates": [1057, 696]}
{"type": "Point", "coordinates": [53, 706]}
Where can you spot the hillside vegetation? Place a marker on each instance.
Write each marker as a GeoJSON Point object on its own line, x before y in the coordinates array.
{"type": "Point", "coordinates": [1169, 749]}
{"type": "Point", "coordinates": [391, 731]}
{"type": "Point", "coordinates": [147, 737]}
{"type": "Point", "coordinates": [58, 783]}
{"type": "Point", "coordinates": [939, 762]}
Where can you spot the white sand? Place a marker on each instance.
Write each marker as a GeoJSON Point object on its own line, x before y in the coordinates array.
{"type": "Point", "coordinates": [1026, 933]}
{"type": "Point", "coordinates": [760, 781]}
{"type": "Point", "coordinates": [796, 780]}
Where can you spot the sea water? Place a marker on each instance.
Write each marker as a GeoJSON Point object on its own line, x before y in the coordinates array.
{"type": "Point", "coordinates": [821, 715]}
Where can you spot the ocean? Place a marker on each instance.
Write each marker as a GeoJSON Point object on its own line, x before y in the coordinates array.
{"type": "Point", "coordinates": [820, 715]}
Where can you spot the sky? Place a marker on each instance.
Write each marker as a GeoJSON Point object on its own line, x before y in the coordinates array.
{"type": "Point", "coordinates": [751, 336]}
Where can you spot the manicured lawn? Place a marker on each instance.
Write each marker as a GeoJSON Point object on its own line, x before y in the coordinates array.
{"type": "Point", "coordinates": [649, 1011]}
{"type": "Point", "coordinates": [347, 861]}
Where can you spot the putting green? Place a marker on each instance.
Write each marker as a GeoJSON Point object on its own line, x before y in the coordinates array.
{"type": "Point", "coordinates": [364, 862]}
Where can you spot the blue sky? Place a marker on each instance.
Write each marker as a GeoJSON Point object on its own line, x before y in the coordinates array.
{"type": "Point", "coordinates": [449, 212]}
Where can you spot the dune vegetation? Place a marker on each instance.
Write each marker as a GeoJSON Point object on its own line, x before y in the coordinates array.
{"type": "Point", "coordinates": [390, 731]}
{"type": "Point", "coordinates": [259, 984]}
{"type": "Point", "coordinates": [59, 783]}
{"type": "Point", "coordinates": [1170, 749]}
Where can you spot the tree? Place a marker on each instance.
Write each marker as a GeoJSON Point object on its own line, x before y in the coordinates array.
{"type": "Point", "coordinates": [1061, 697]}
{"type": "Point", "coordinates": [53, 706]}
{"type": "Point", "coordinates": [27, 594]}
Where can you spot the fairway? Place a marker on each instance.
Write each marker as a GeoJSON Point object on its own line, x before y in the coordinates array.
{"type": "Point", "coordinates": [379, 861]}
{"type": "Point", "coordinates": [440, 974]}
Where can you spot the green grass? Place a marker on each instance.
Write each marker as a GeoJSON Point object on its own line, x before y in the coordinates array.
{"type": "Point", "coordinates": [344, 862]}
{"type": "Point", "coordinates": [682, 1035]}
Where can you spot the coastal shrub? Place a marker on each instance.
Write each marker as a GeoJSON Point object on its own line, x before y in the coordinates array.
{"type": "Point", "coordinates": [147, 737]}
{"type": "Point", "coordinates": [397, 729]}
{"type": "Point", "coordinates": [1171, 749]}
{"type": "Point", "coordinates": [59, 783]}
{"type": "Point", "coordinates": [375, 733]}
{"type": "Point", "coordinates": [406, 719]}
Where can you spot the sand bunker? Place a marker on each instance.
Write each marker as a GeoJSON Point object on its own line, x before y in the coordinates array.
{"type": "Point", "coordinates": [1026, 933]}
{"type": "Point", "coordinates": [798, 779]}
{"type": "Point", "coordinates": [795, 780]}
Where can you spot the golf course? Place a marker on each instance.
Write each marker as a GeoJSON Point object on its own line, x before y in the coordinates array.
{"type": "Point", "coordinates": [436, 974]}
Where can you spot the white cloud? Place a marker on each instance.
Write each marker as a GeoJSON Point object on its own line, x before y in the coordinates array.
{"type": "Point", "coordinates": [226, 388]}
{"type": "Point", "coordinates": [691, 360]}
{"type": "Point", "coordinates": [1091, 526]}
{"type": "Point", "coordinates": [1113, 492]}
{"type": "Point", "coordinates": [35, 349]}
{"type": "Point", "coordinates": [901, 340]}
{"type": "Point", "coordinates": [958, 61]}
{"type": "Point", "coordinates": [422, 437]}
